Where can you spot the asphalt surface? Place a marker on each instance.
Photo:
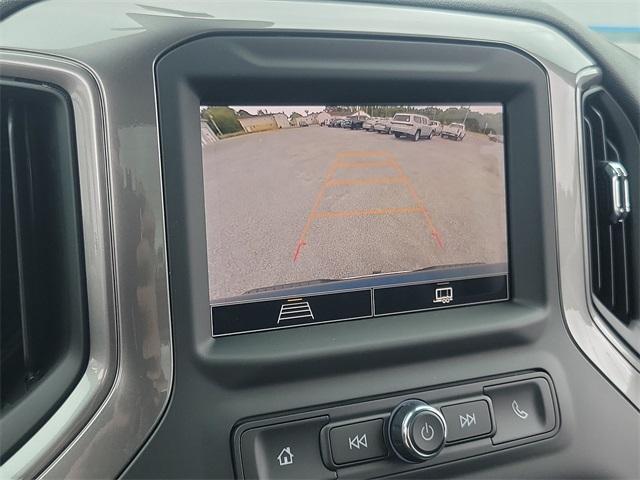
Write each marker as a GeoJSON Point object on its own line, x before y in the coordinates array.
{"type": "Point", "coordinates": [327, 203]}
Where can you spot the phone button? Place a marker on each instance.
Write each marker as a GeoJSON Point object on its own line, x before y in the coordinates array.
{"type": "Point", "coordinates": [521, 409]}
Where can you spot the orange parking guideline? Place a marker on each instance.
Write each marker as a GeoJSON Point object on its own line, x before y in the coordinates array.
{"type": "Point", "coordinates": [357, 164]}
{"type": "Point", "coordinates": [363, 153]}
{"type": "Point", "coordinates": [389, 161]}
{"type": "Point", "coordinates": [427, 216]}
{"type": "Point", "coordinates": [365, 213]}
{"type": "Point", "coordinates": [334, 182]}
{"type": "Point", "coordinates": [316, 204]}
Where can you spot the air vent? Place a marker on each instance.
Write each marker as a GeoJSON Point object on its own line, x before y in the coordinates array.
{"type": "Point", "coordinates": [612, 155]}
{"type": "Point", "coordinates": [42, 300]}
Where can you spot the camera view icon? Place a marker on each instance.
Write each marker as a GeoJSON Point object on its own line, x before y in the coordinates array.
{"type": "Point", "coordinates": [295, 309]}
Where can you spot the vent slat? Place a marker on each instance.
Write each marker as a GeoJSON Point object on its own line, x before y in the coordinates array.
{"type": "Point", "coordinates": [593, 202]}
{"type": "Point", "coordinates": [611, 276]}
{"type": "Point", "coordinates": [601, 135]}
{"type": "Point", "coordinates": [19, 160]}
{"type": "Point", "coordinates": [15, 152]}
{"type": "Point", "coordinates": [12, 329]}
{"type": "Point", "coordinates": [625, 294]}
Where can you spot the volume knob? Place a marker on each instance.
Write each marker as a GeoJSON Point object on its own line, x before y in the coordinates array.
{"type": "Point", "coordinates": [417, 431]}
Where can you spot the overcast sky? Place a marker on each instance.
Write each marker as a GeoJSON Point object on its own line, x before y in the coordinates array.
{"type": "Point", "coordinates": [491, 108]}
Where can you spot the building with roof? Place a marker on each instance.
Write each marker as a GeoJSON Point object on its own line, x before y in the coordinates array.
{"type": "Point", "coordinates": [207, 137]}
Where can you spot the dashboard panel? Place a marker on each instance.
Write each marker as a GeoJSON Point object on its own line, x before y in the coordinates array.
{"type": "Point", "coordinates": [546, 387]}
{"type": "Point", "coordinates": [259, 70]}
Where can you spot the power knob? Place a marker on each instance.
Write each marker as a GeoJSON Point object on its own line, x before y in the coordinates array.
{"type": "Point", "coordinates": [417, 431]}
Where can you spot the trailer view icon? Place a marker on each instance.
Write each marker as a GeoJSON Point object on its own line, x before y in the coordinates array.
{"type": "Point", "coordinates": [295, 309]}
{"type": "Point", "coordinates": [444, 295]}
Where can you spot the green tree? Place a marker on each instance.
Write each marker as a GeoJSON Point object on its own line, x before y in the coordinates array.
{"type": "Point", "coordinates": [472, 124]}
{"type": "Point", "coordinates": [222, 119]}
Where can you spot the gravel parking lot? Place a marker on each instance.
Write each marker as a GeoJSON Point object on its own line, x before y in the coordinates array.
{"type": "Point", "coordinates": [299, 204]}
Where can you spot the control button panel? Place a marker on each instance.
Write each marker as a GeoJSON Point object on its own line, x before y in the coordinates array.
{"type": "Point", "coordinates": [285, 451]}
{"type": "Point", "coordinates": [467, 420]}
{"type": "Point", "coordinates": [391, 435]}
{"type": "Point", "coordinates": [522, 409]}
{"type": "Point", "coordinates": [358, 442]}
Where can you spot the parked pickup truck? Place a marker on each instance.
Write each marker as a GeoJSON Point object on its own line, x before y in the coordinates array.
{"type": "Point", "coordinates": [357, 121]}
{"type": "Point", "coordinates": [455, 131]}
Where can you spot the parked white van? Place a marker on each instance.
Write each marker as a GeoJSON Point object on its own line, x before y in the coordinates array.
{"type": "Point", "coordinates": [412, 126]}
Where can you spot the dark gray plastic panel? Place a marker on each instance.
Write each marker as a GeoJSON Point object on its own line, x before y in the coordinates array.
{"type": "Point", "coordinates": [380, 408]}
{"type": "Point", "coordinates": [219, 381]}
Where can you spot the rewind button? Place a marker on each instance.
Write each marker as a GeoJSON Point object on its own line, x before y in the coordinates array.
{"type": "Point", "coordinates": [357, 442]}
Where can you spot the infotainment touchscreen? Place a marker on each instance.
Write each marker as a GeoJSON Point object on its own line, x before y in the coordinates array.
{"type": "Point", "coordinates": [323, 213]}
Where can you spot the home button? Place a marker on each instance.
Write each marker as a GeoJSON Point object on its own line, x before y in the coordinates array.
{"type": "Point", "coordinates": [285, 451]}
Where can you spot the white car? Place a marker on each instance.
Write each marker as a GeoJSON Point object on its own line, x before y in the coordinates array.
{"type": "Point", "coordinates": [437, 127]}
{"type": "Point", "coordinates": [456, 131]}
{"type": "Point", "coordinates": [383, 125]}
{"type": "Point", "coordinates": [412, 126]}
{"type": "Point", "coordinates": [369, 123]}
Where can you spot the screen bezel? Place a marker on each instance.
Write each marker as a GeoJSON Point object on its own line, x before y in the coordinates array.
{"type": "Point", "coordinates": [230, 75]}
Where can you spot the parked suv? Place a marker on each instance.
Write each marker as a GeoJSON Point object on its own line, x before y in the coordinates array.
{"type": "Point", "coordinates": [455, 131]}
{"type": "Point", "coordinates": [412, 126]}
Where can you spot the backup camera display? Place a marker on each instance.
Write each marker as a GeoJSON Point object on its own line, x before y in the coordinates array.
{"type": "Point", "coordinates": [324, 213]}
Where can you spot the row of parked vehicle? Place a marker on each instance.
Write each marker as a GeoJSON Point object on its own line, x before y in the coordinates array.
{"type": "Point", "coordinates": [402, 125]}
